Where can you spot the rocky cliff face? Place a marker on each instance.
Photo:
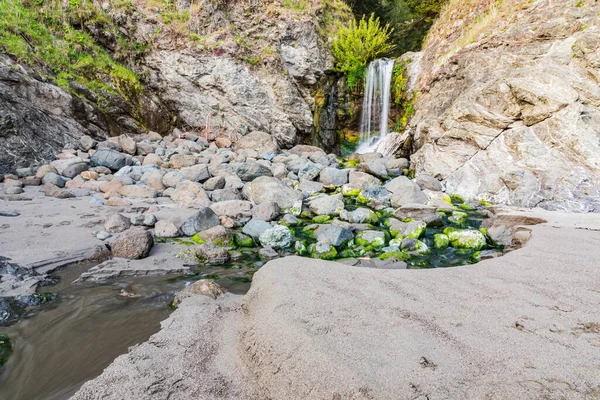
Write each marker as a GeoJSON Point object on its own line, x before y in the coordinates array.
{"type": "Point", "coordinates": [509, 103]}
{"type": "Point", "coordinates": [215, 66]}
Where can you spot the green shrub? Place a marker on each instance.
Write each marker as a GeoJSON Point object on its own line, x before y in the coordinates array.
{"type": "Point", "coordinates": [358, 44]}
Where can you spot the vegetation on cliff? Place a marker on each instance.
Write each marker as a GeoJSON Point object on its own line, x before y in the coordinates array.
{"type": "Point", "coordinates": [54, 38]}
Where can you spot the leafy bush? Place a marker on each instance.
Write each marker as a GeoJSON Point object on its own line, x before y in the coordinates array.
{"type": "Point", "coordinates": [358, 44]}
{"type": "Point", "coordinates": [411, 19]}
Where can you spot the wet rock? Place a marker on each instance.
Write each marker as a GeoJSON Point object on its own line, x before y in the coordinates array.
{"type": "Point", "coordinates": [204, 287]}
{"type": "Point", "coordinates": [210, 254]}
{"type": "Point", "coordinates": [374, 196]}
{"type": "Point", "coordinates": [268, 189]}
{"type": "Point", "coordinates": [419, 212]}
{"type": "Point", "coordinates": [334, 177]}
{"type": "Point", "coordinates": [117, 223]}
{"type": "Point", "coordinates": [395, 166]}
{"type": "Point", "coordinates": [370, 238]}
{"type": "Point", "coordinates": [276, 237]}
{"type": "Point", "coordinates": [399, 229]}
{"type": "Point", "coordinates": [359, 216]}
{"type": "Point", "coordinates": [217, 236]}
{"type": "Point", "coordinates": [465, 239]}
{"type": "Point", "coordinates": [334, 235]}
{"type": "Point", "coordinates": [326, 205]}
{"type": "Point", "coordinates": [133, 244]}
{"type": "Point", "coordinates": [51, 190]}
{"type": "Point", "coordinates": [267, 211]}
{"type": "Point", "coordinates": [440, 241]}
{"type": "Point", "coordinates": [268, 253]}
{"type": "Point", "coordinates": [323, 251]}
{"type": "Point", "coordinates": [203, 219]}
{"type": "Point", "coordinates": [255, 227]}
{"type": "Point", "coordinates": [110, 159]}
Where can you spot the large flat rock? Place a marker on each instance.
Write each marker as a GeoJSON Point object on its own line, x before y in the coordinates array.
{"type": "Point", "coordinates": [525, 325]}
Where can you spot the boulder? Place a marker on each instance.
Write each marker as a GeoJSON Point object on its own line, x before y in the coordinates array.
{"type": "Point", "coordinates": [465, 239]}
{"type": "Point", "coordinates": [334, 176]}
{"type": "Point", "coordinates": [267, 211]}
{"type": "Point", "coordinates": [117, 223]}
{"type": "Point", "coordinates": [233, 208]}
{"type": "Point", "coordinates": [138, 191]}
{"type": "Point", "coordinates": [308, 188]}
{"type": "Point", "coordinates": [374, 196]}
{"type": "Point", "coordinates": [110, 159]}
{"type": "Point", "coordinates": [166, 229]}
{"type": "Point", "coordinates": [326, 205]}
{"type": "Point", "coordinates": [179, 161]}
{"type": "Point", "coordinates": [54, 179]}
{"type": "Point", "coordinates": [309, 171]}
{"type": "Point", "coordinates": [196, 173]}
{"type": "Point", "coordinates": [203, 219]}
{"type": "Point", "coordinates": [205, 287]}
{"type": "Point", "coordinates": [362, 180]}
{"type": "Point", "coordinates": [133, 244]}
{"type": "Point", "coordinates": [249, 171]}
{"type": "Point", "coordinates": [219, 195]}
{"type": "Point", "coordinates": [218, 182]}
{"type": "Point", "coordinates": [255, 227]}
{"type": "Point", "coordinates": [268, 189]}
{"type": "Point", "coordinates": [262, 142]}
{"type": "Point", "coordinates": [277, 237]}
{"type": "Point", "coordinates": [360, 216]}
{"type": "Point", "coordinates": [334, 235]}
{"type": "Point", "coordinates": [404, 191]}
{"type": "Point", "coordinates": [211, 254]}
{"type": "Point", "coordinates": [128, 145]}
{"type": "Point", "coordinates": [419, 212]}
{"type": "Point", "coordinates": [86, 143]}
{"type": "Point", "coordinates": [172, 178]}
{"type": "Point", "coordinates": [217, 236]}
{"type": "Point", "coordinates": [412, 229]}
{"type": "Point", "coordinates": [44, 170]}
{"type": "Point", "coordinates": [370, 238]}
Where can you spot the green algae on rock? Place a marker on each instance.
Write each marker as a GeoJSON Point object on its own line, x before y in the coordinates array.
{"type": "Point", "coordinates": [5, 348]}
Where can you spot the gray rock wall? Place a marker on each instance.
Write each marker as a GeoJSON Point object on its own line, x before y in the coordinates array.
{"type": "Point", "coordinates": [514, 116]}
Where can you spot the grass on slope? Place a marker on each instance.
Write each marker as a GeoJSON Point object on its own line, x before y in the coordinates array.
{"type": "Point", "coordinates": [53, 40]}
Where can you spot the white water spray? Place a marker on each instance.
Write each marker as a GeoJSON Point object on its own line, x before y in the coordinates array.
{"type": "Point", "coordinates": [376, 104]}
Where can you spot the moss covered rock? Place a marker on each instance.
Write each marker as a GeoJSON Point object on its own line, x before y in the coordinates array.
{"type": "Point", "coordinates": [5, 348]}
{"type": "Point", "coordinates": [324, 251]}
{"type": "Point", "coordinates": [375, 239]}
{"type": "Point", "coordinates": [440, 241]}
{"type": "Point", "coordinates": [242, 240]}
{"type": "Point", "coordinates": [465, 239]}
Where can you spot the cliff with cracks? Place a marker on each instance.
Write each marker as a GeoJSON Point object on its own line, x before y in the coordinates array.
{"type": "Point", "coordinates": [216, 67]}
{"type": "Point", "coordinates": [508, 104]}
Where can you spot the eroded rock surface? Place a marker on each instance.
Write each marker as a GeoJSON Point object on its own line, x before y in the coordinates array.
{"type": "Point", "coordinates": [509, 108]}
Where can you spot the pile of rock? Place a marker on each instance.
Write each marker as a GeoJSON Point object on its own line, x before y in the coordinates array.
{"type": "Point", "coordinates": [250, 193]}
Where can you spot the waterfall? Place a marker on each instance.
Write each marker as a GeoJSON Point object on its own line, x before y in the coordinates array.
{"type": "Point", "coordinates": [376, 104]}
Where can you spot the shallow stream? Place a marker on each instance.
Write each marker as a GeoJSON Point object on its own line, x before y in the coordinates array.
{"type": "Point", "coordinates": [60, 345]}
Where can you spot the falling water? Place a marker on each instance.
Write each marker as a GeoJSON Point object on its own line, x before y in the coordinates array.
{"type": "Point", "coordinates": [376, 104]}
